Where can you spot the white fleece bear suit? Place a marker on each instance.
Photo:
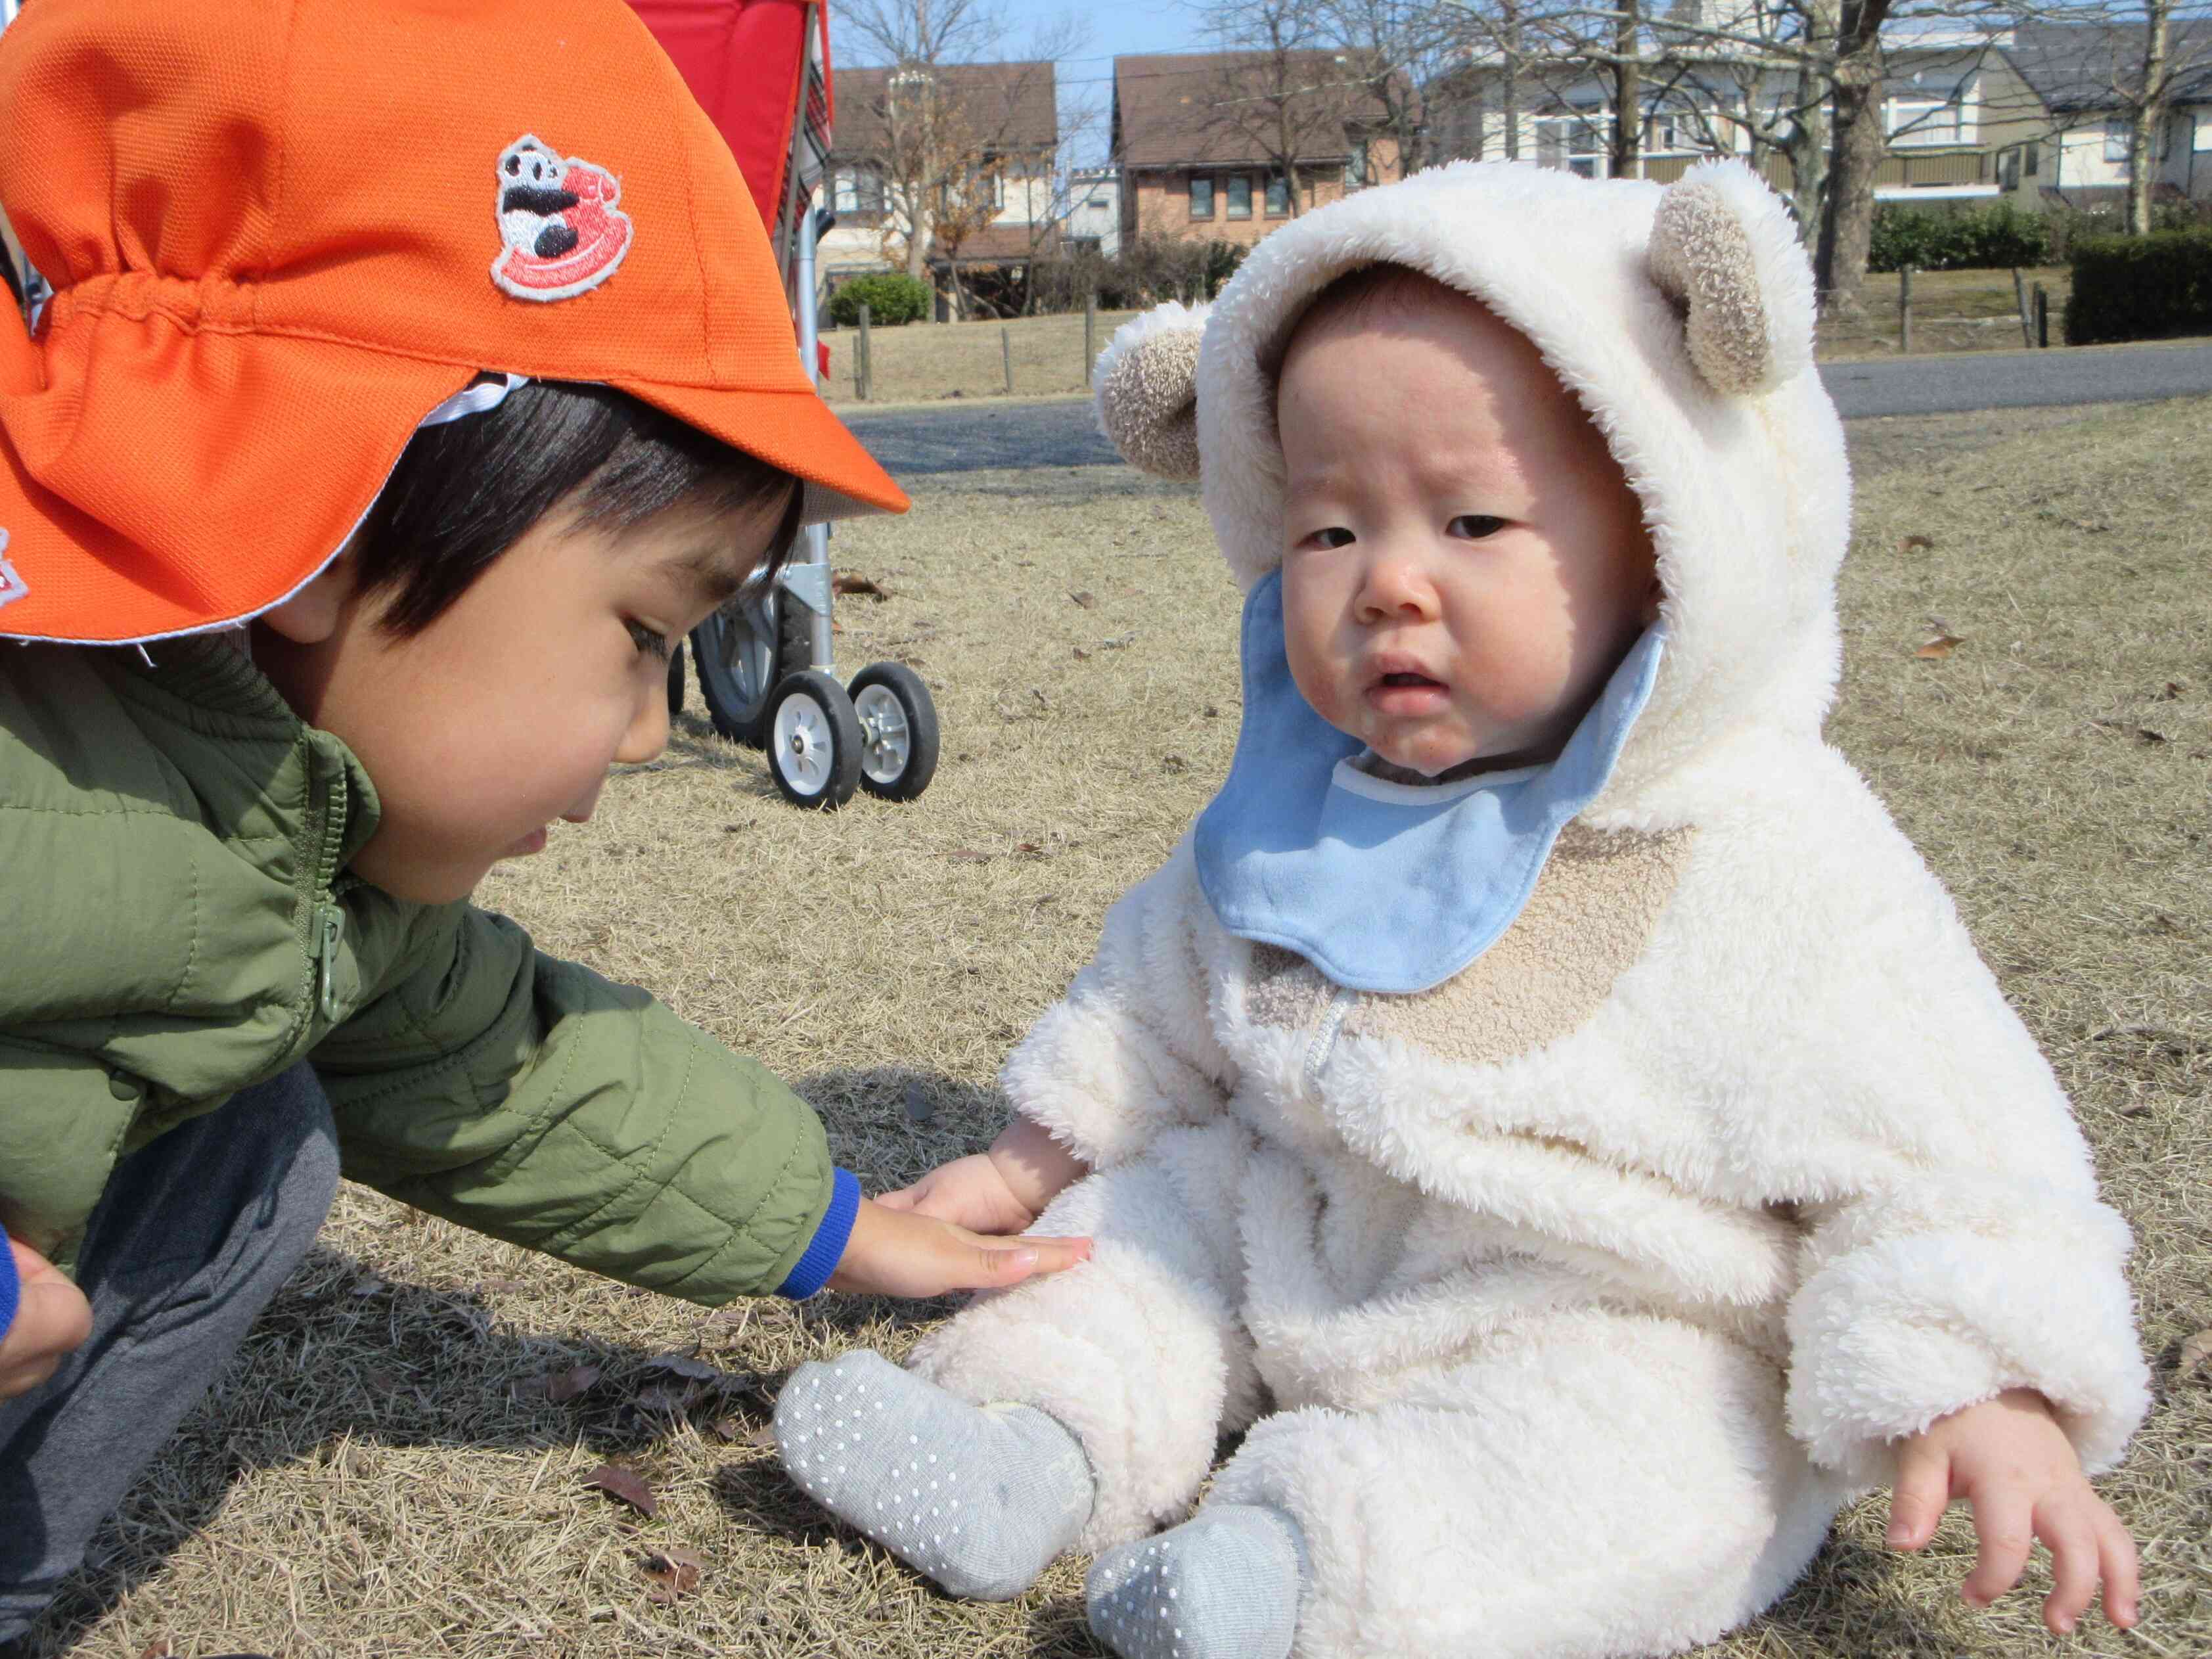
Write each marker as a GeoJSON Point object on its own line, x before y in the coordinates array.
{"type": "Point", "coordinates": [1564, 1302]}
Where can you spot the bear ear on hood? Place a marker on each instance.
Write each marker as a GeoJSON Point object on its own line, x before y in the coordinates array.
{"type": "Point", "coordinates": [1147, 396]}
{"type": "Point", "coordinates": [1724, 248]}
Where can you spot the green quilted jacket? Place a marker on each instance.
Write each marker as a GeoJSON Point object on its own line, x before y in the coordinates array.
{"type": "Point", "coordinates": [177, 924]}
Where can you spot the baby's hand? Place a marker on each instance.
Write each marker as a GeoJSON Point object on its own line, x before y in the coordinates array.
{"type": "Point", "coordinates": [1001, 1191]}
{"type": "Point", "coordinates": [52, 1320]}
{"type": "Point", "coordinates": [2009, 1457]}
{"type": "Point", "coordinates": [969, 1192]}
{"type": "Point", "coordinates": [896, 1253]}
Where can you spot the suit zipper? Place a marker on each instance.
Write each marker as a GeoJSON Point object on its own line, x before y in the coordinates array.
{"type": "Point", "coordinates": [327, 924]}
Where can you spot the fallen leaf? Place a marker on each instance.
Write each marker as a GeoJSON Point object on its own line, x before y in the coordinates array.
{"type": "Point", "coordinates": [1941, 646]}
{"type": "Point", "coordinates": [1081, 655]}
{"type": "Point", "coordinates": [1030, 847]}
{"type": "Point", "coordinates": [919, 1108]}
{"type": "Point", "coordinates": [1085, 599]}
{"type": "Point", "coordinates": [763, 1436]}
{"type": "Point", "coordinates": [625, 1486]}
{"type": "Point", "coordinates": [2172, 690]}
{"type": "Point", "coordinates": [967, 856]}
{"type": "Point", "coordinates": [568, 1385]}
{"type": "Point", "coordinates": [665, 1398]}
{"type": "Point", "coordinates": [1037, 691]}
{"type": "Point", "coordinates": [1211, 712]}
{"type": "Point", "coordinates": [852, 582]}
{"type": "Point", "coordinates": [1175, 763]}
{"type": "Point", "coordinates": [164, 1649]}
{"type": "Point", "coordinates": [1116, 642]}
{"type": "Point", "coordinates": [674, 1572]}
{"type": "Point", "coordinates": [2150, 736]}
{"type": "Point", "coordinates": [2195, 1355]}
{"type": "Point", "coordinates": [502, 1286]}
{"type": "Point", "coordinates": [367, 1286]}
{"type": "Point", "coordinates": [683, 1365]}
{"type": "Point", "coordinates": [1916, 544]}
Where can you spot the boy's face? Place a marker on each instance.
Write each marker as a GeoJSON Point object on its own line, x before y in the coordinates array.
{"type": "Point", "coordinates": [505, 712]}
{"type": "Point", "coordinates": [1464, 563]}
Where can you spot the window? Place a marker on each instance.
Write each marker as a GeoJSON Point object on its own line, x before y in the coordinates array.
{"type": "Point", "coordinates": [858, 190]}
{"type": "Point", "coordinates": [1240, 195]}
{"type": "Point", "coordinates": [2116, 141]}
{"type": "Point", "coordinates": [1926, 121]}
{"type": "Point", "coordinates": [1278, 196]}
{"type": "Point", "coordinates": [1663, 135]}
{"type": "Point", "coordinates": [1572, 142]}
{"type": "Point", "coordinates": [1201, 196]}
{"type": "Point", "coordinates": [1355, 167]}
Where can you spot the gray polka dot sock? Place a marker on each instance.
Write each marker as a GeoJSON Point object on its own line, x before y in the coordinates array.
{"type": "Point", "coordinates": [1222, 1585]}
{"type": "Point", "coordinates": [981, 1498]}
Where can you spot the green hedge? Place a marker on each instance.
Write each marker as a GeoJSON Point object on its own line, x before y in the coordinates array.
{"type": "Point", "coordinates": [1972, 238]}
{"type": "Point", "coordinates": [891, 296]}
{"type": "Point", "coordinates": [2141, 287]}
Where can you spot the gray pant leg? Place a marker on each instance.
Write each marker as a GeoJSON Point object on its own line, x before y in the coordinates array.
{"type": "Point", "coordinates": [192, 1237]}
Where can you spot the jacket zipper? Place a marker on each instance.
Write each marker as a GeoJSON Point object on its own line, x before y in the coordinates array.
{"type": "Point", "coordinates": [328, 923]}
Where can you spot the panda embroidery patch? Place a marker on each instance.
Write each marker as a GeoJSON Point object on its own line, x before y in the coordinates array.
{"type": "Point", "coordinates": [562, 233]}
{"type": "Point", "coordinates": [12, 587]}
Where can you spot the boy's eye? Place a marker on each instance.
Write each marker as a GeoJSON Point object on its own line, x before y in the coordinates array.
{"type": "Point", "coordinates": [1474, 526]}
{"type": "Point", "coordinates": [649, 642]}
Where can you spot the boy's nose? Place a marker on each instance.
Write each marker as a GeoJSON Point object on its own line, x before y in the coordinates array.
{"type": "Point", "coordinates": [649, 729]}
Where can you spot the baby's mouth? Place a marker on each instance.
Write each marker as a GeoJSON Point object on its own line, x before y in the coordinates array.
{"type": "Point", "coordinates": [1408, 680]}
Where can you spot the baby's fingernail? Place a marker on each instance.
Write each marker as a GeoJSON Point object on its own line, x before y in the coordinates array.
{"type": "Point", "coordinates": [1025, 1258]}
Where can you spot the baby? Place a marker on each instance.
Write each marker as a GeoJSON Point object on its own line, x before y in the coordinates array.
{"type": "Point", "coordinates": [1545, 1105]}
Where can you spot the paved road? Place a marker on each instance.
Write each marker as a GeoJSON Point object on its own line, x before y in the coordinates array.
{"type": "Point", "coordinates": [968, 437]}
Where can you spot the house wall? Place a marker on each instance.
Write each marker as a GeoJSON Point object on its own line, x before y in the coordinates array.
{"type": "Point", "coordinates": [1156, 201]}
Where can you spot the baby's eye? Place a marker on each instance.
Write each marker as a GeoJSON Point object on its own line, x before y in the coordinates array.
{"type": "Point", "coordinates": [1474, 526]}
{"type": "Point", "coordinates": [1335, 536]}
{"type": "Point", "coordinates": [649, 642]}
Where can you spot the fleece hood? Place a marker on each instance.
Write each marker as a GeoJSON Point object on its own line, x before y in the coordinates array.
{"type": "Point", "coordinates": [1681, 318]}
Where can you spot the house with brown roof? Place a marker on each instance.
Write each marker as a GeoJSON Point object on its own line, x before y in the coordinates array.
{"type": "Point", "coordinates": [965, 150]}
{"type": "Point", "coordinates": [1227, 145]}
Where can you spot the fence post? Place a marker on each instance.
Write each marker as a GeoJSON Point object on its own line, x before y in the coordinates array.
{"type": "Point", "coordinates": [863, 376]}
{"type": "Point", "coordinates": [1090, 333]}
{"type": "Point", "coordinates": [2042, 316]}
{"type": "Point", "coordinates": [1006, 355]}
{"type": "Point", "coordinates": [2020, 296]}
{"type": "Point", "coordinates": [1904, 309]}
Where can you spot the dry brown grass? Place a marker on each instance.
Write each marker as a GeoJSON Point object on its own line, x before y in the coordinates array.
{"type": "Point", "coordinates": [1952, 311]}
{"type": "Point", "coordinates": [365, 1484]}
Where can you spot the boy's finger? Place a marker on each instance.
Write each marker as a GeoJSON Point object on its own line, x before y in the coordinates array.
{"type": "Point", "coordinates": [1921, 1495]}
{"type": "Point", "coordinates": [2004, 1524]}
{"type": "Point", "coordinates": [1009, 1264]}
{"type": "Point", "coordinates": [2072, 1540]}
{"type": "Point", "coordinates": [2117, 1553]}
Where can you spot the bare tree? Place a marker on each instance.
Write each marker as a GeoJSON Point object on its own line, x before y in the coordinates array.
{"type": "Point", "coordinates": [1393, 52]}
{"type": "Point", "coordinates": [1279, 89]}
{"type": "Point", "coordinates": [946, 128]}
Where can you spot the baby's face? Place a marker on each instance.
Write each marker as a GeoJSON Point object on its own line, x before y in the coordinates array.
{"type": "Point", "coordinates": [1464, 563]}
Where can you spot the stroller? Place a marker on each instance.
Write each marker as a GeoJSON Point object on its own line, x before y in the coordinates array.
{"type": "Point", "coordinates": [761, 70]}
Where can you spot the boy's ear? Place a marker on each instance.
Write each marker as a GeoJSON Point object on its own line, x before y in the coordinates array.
{"type": "Point", "coordinates": [1725, 249]}
{"type": "Point", "coordinates": [1147, 397]}
{"type": "Point", "coordinates": [312, 614]}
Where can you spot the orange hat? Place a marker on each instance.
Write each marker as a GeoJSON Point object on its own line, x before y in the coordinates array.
{"type": "Point", "coordinates": [281, 231]}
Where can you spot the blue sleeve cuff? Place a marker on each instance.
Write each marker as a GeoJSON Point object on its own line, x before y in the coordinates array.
{"type": "Point", "coordinates": [9, 1290]}
{"type": "Point", "coordinates": [828, 1250]}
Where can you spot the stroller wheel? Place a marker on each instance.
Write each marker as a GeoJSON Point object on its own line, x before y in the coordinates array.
{"type": "Point", "coordinates": [898, 730]}
{"type": "Point", "coordinates": [675, 680]}
{"type": "Point", "coordinates": [813, 740]}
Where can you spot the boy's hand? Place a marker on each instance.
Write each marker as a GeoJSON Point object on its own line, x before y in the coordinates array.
{"type": "Point", "coordinates": [897, 1253]}
{"type": "Point", "coordinates": [52, 1319]}
{"type": "Point", "coordinates": [1001, 1191]}
{"type": "Point", "coordinates": [2009, 1457]}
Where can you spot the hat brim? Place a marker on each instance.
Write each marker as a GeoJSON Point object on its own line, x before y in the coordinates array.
{"type": "Point", "coordinates": [153, 520]}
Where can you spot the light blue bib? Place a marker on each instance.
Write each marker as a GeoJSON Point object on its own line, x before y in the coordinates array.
{"type": "Point", "coordinates": [1385, 886]}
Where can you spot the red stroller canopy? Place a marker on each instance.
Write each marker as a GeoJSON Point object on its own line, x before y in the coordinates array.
{"type": "Point", "coordinates": [748, 63]}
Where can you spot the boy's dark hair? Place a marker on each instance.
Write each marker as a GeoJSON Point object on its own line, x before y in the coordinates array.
{"type": "Point", "coordinates": [464, 492]}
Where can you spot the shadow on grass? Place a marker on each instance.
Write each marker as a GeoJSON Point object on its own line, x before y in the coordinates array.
{"type": "Point", "coordinates": [343, 1356]}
